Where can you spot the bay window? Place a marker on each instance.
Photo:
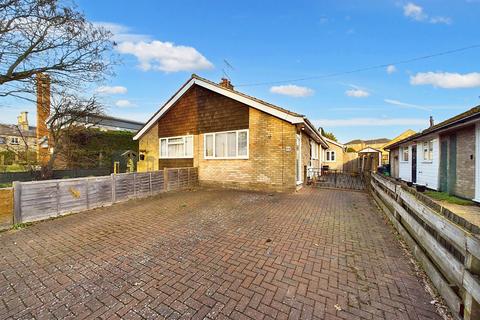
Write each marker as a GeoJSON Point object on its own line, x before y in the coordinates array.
{"type": "Point", "coordinates": [226, 145]}
{"type": "Point", "coordinates": [176, 147]}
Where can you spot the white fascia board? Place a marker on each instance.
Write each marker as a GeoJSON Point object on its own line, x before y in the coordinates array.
{"type": "Point", "coordinates": [250, 102]}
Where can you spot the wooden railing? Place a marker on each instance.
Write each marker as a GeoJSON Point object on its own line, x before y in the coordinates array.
{"type": "Point", "coordinates": [449, 254]}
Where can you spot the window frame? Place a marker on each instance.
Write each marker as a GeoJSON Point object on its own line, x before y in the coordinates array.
{"type": "Point", "coordinates": [328, 156]}
{"type": "Point", "coordinates": [403, 154]}
{"type": "Point", "coordinates": [314, 154]}
{"type": "Point", "coordinates": [427, 150]}
{"type": "Point", "coordinates": [237, 157]}
{"type": "Point", "coordinates": [17, 141]}
{"type": "Point", "coordinates": [184, 147]}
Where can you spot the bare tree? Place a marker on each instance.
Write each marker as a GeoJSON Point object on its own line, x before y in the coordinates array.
{"type": "Point", "coordinates": [49, 36]}
{"type": "Point", "coordinates": [68, 113]}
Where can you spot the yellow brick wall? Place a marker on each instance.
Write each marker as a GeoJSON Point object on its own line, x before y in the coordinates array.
{"type": "Point", "coordinates": [150, 144]}
{"type": "Point", "coordinates": [271, 163]}
{"type": "Point", "coordinates": [340, 158]}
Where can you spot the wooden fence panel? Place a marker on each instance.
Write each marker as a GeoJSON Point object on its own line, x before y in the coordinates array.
{"type": "Point", "coordinates": [124, 186]}
{"type": "Point", "coordinates": [99, 192]}
{"type": "Point", "coordinates": [142, 184]}
{"type": "Point", "coordinates": [6, 208]}
{"type": "Point", "coordinates": [158, 182]}
{"type": "Point", "coordinates": [39, 200]}
{"type": "Point", "coordinates": [72, 196]}
{"type": "Point", "coordinates": [172, 179]}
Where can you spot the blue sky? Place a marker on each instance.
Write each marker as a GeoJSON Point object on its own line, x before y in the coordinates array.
{"type": "Point", "coordinates": [161, 43]}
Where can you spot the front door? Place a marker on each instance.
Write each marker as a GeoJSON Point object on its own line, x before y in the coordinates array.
{"type": "Point", "coordinates": [298, 164]}
{"type": "Point", "coordinates": [414, 164]}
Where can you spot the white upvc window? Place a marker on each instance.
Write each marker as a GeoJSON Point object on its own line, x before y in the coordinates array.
{"type": "Point", "coordinates": [226, 145]}
{"type": "Point", "coordinates": [313, 150]}
{"type": "Point", "coordinates": [405, 154]}
{"type": "Point", "coordinates": [176, 147]}
{"type": "Point", "coordinates": [428, 150]}
{"type": "Point", "coordinates": [331, 156]}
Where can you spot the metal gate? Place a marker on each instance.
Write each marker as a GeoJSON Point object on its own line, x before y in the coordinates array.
{"type": "Point", "coordinates": [336, 179]}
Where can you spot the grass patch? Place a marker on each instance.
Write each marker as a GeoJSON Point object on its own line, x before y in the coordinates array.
{"type": "Point", "coordinates": [5, 185]}
{"type": "Point", "coordinates": [18, 226]}
{"type": "Point", "coordinates": [443, 196]}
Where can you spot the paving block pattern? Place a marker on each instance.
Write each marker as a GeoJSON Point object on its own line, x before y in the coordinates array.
{"type": "Point", "coordinates": [213, 254]}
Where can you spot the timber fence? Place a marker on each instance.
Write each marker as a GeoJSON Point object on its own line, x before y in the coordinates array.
{"type": "Point", "coordinates": [38, 200]}
{"type": "Point", "coordinates": [448, 252]}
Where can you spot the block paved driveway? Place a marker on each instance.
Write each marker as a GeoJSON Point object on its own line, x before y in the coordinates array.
{"type": "Point", "coordinates": [316, 254]}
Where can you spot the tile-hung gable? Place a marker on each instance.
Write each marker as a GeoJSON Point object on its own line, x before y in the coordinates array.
{"type": "Point", "coordinates": [234, 139]}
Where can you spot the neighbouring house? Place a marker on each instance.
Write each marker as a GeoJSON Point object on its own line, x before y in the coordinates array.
{"type": "Point", "coordinates": [444, 157]}
{"type": "Point", "coordinates": [235, 140]}
{"type": "Point", "coordinates": [359, 144]}
{"type": "Point", "coordinates": [16, 140]}
{"type": "Point", "coordinates": [109, 123]}
{"type": "Point", "coordinates": [333, 158]}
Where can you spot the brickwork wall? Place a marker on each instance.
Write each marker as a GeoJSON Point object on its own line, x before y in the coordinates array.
{"type": "Point", "coordinates": [338, 164]}
{"type": "Point", "coordinates": [465, 184]}
{"type": "Point", "coordinates": [175, 163]}
{"type": "Point", "coordinates": [271, 163]}
{"type": "Point", "coordinates": [149, 145]}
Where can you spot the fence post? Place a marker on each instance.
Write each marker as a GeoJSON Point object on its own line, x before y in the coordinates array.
{"type": "Point", "coordinates": [472, 307]}
{"type": "Point", "coordinates": [86, 193]}
{"type": "Point", "coordinates": [17, 202]}
{"type": "Point", "coordinates": [165, 179]}
{"type": "Point", "coordinates": [113, 188]}
{"type": "Point", "coordinates": [150, 182]}
{"type": "Point", "coordinates": [58, 198]}
{"type": "Point", "coordinates": [134, 185]}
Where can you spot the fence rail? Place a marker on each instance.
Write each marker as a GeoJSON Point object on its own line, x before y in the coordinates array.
{"type": "Point", "coordinates": [38, 200]}
{"type": "Point", "coordinates": [449, 253]}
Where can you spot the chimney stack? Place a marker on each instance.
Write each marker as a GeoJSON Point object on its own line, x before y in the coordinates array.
{"type": "Point", "coordinates": [22, 121]}
{"type": "Point", "coordinates": [432, 123]}
{"type": "Point", "coordinates": [226, 83]}
{"type": "Point", "coordinates": [43, 113]}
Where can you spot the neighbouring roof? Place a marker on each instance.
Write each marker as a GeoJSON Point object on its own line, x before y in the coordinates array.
{"type": "Point", "coordinates": [471, 114]}
{"type": "Point", "coordinates": [284, 114]}
{"type": "Point", "coordinates": [369, 150]}
{"type": "Point", "coordinates": [401, 136]}
{"type": "Point", "coordinates": [372, 141]}
{"type": "Point", "coordinates": [334, 142]}
{"type": "Point", "coordinates": [12, 130]}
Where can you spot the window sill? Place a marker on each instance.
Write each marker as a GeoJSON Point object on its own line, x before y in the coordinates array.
{"type": "Point", "coordinates": [169, 158]}
{"type": "Point", "coordinates": [226, 158]}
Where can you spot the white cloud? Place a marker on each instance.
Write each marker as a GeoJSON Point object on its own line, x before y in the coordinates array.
{"type": "Point", "coordinates": [367, 122]}
{"type": "Point", "coordinates": [111, 90]}
{"type": "Point", "coordinates": [416, 12]}
{"type": "Point", "coordinates": [406, 105]}
{"type": "Point", "coordinates": [292, 90]}
{"type": "Point", "coordinates": [122, 33]}
{"type": "Point", "coordinates": [446, 80]}
{"type": "Point", "coordinates": [165, 56]}
{"type": "Point", "coordinates": [391, 69]}
{"type": "Point", "coordinates": [123, 103]}
{"type": "Point", "coordinates": [357, 93]}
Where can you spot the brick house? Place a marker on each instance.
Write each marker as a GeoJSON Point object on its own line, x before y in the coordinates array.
{"type": "Point", "coordinates": [443, 157]}
{"type": "Point", "coordinates": [334, 158]}
{"type": "Point", "coordinates": [235, 140]}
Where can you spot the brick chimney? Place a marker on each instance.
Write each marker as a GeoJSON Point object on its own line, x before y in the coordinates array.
{"type": "Point", "coordinates": [226, 83]}
{"type": "Point", "coordinates": [22, 121]}
{"type": "Point", "coordinates": [43, 112]}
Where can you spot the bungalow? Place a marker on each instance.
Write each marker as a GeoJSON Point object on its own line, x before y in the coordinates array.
{"type": "Point", "coordinates": [444, 157]}
{"type": "Point", "coordinates": [234, 139]}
